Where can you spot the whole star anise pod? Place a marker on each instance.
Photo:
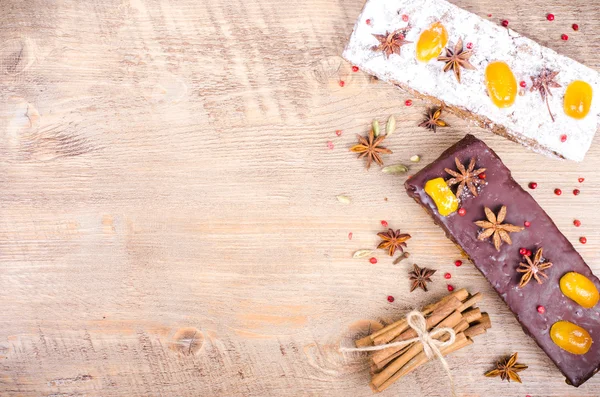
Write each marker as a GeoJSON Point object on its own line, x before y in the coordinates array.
{"type": "Point", "coordinates": [456, 59]}
{"type": "Point", "coordinates": [420, 277]}
{"type": "Point", "coordinates": [393, 240]}
{"type": "Point", "coordinates": [390, 43]}
{"type": "Point", "coordinates": [507, 369]}
{"type": "Point", "coordinates": [533, 268]}
{"type": "Point", "coordinates": [432, 119]}
{"type": "Point", "coordinates": [468, 177]}
{"type": "Point", "coordinates": [542, 83]}
{"type": "Point", "coordinates": [369, 147]}
{"type": "Point", "coordinates": [494, 227]}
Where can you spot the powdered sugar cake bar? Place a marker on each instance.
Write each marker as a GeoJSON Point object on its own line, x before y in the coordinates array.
{"type": "Point", "coordinates": [528, 120]}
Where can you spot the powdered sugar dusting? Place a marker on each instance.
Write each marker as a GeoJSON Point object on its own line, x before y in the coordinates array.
{"type": "Point", "coordinates": [527, 119]}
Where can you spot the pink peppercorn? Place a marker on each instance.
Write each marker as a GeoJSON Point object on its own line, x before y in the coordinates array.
{"type": "Point", "coordinates": [563, 138]}
{"type": "Point", "coordinates": [528, 253]}
{"type": "Point", "coordinates": [384, 223]}
{"type": "Point", "coordinates": [342, 83]}
{"type": "Point", "coordinates": [577, 222]}
{"type": "Point", "coordinates": [541, 309]}
{"type": "Point", "coordinates": [550, 17]}
{"type": "Point", "coordinates": [523, 83]}
{"type": "Point", "coordinates": [462, 212]}
{"type": "Point", "coordinates": [405, 18]}
{"type": "Point", "coordinates": [458, 263]}
{"type": "Point", "coordinates": [373, 260]}
{"type": "Point", "coordinates": [582, 240]}
{"type": "Point", "coordinates": [355, 68]}
{"type": "Point", "coordinates": [532, 185]}
{"type": "Point", "coordinates": [450, 288]}
{"type": "Point", "coordinates": [564, 37]}
{"type": "Point", "coordinates": [447, 276]}
{"type": "Point", "coordinates": [408, 102]}
{"type": "Point", "coordinates": [558, 192]}
{"type": "Point", "coordinates": [522, 251]}
{"type": "Point", "coordinates": [575, 27]}
{"type": "Point", "coordinates": [390, 298]}
{"type": "Point", "coordinates": [527, 223]}
{"type": "Point", "coordinates": [576, 192]}
{"type": "Point", "coordinates": [505, 23]}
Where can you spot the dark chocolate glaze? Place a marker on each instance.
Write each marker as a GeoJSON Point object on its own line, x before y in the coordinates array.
{"type": "Point", "coordinates": [500, 267]}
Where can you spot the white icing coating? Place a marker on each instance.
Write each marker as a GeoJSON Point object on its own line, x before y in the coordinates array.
{"type": "Point", "coordinates": [528, 118]}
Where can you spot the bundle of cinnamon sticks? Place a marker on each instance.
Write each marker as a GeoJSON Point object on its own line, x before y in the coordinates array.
{"type": "Point", "coordinates": [455, 311]}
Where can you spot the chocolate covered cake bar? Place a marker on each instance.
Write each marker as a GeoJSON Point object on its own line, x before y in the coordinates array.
{"type": "Point", "coordinates": [472, 196]}
{"type": "Point", "coordinates": [481, 71]}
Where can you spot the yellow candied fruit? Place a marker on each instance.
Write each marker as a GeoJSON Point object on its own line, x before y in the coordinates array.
{"type": "Point", "coordinates": [442, 196]}
{"type": "Point", "coordinates": [501, 84]}
{"type": "Point", "coordinates": [570, 337]}
{"type": "Point", "coordinates": [431, 42]}
{"type": "Point", "coordinates": [578, 99]}
{"type": "Point", "coordinates": [579, 288]}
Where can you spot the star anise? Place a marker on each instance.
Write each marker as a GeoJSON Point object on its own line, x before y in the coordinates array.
{"type": "Point", "coordinates": [542, 83]}
{"type": "Point", "coordinates": [456, 59]}
{"type": "Point", "coordinates": [420, 277]}
{"type": "Point", "coordinates": [393, 240]}
{"type": "Point", "coordinates": [390, 43]}
{"type": "Point", "coordinates": [507, 369]}
{"type": "Point", "coordinates": [370, 148]}
{"type": "Point", "coordinates": [494, 227]}
{"type": "Point", "coordinates": [432, 119]}
{"type": "Point", "coordinates": [533, 268]}
{"type": "Point", "coordinates": [468, 177]}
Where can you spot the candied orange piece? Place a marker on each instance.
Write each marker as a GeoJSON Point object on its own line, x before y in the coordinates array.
{"type": "Point", "coordinates": [442, 196]}
{"type": "Point", "coordinates": [431, 42]}
{"type": "Point", "coordinates": [570, 337]}
{"type": "Point", "coordinates": [581, 289]}
{"type": "Point", "coordinates": [501, 84]}
{"type": "Point", "coordinates": [578, 99]}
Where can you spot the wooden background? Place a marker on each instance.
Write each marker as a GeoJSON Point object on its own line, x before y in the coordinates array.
{"type": "Point", "coordinates": [168, 215]}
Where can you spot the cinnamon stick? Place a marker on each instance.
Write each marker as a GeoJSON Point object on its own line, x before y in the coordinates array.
{"type": "Point", "coordinates": [480, 327]}
{"type": "Point", "coordinates": [451, 321]}
{"type": "Point", "coordinates": [470, 302]}
{"type": "Point", "coordinates": [460, 342]}
{"type": "Point", "coordinates": [436, 316]}
{"type": "Point", "coordinates": [472, 315]}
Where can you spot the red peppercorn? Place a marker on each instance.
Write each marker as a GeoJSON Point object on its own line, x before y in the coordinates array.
{"type": "Point", "coordinates": [575, 27]}
{"type": "Point", "coordinates": [564, 37]}
{"type": "Point", "coordinates": [384, 223]}
{"type": "Point", "coordinates": [558, 192]}
{"type": "Point", "coordinates": [330, 145]}
{"type": "Point", "coordinates": [405, 18]}
{"type": "Point", "coordinates": [563, 138]}
{"type": "Point", "coordinates": [528, 253]}
{"type": "Point", "coordinates": [458, 263]}
{"type": "Point", "coordinates": [462, 212]}
{"type": "Point", "coordinates": [541, 309]}
{"type": "Point", "coordinates": [527, 223]}
{"type": "Point", "coordinates": [577, 222]}
{"type": "Point", "coordinates": [338, 132]}
{"type": "Point", "coordinates": [505, 23]}
{"type": "Point", "coordinates": [522, 251]}
{"type": "Point", "coordinates": [368, 21]}
{"type": "Point", "coordinates": [576, 192]}
{"type": "Point", "coordinates": [523, 83]}
{"type": "Point", "coordinates": [408, 102]}
{"type": "Point", "coordinates": [550, 17]}
{"type": "Point", "coordinates": [582, 240]}
{"type": "Point", "coordinates": [532, 185]}
{"type": "Point", "coordinates": [469, 45]}
{"type": "Point", "coordinates": [373, 260]}
{"type": "Point", "coordinates": [350, 236]}
{"type": "Point", "coordinates": [355, 68]}
{"type": "Point", "coordinates": [390, 298]}
{"type": "Point", "coordinates": [482, 175]}
{"type": "Point", "coordinates": [581, 180]}
{"type": "Point", "coordinates": [447, 276]}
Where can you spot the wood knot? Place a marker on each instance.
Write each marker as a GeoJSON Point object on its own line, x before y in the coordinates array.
{"type": "Point", "coordinates": [16, 56]}
{"type": "Point", "coordinates": [187, 341]}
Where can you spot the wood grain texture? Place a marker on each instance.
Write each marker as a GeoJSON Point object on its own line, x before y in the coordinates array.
{"type": "Point", "coordinates": [168, 215]}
